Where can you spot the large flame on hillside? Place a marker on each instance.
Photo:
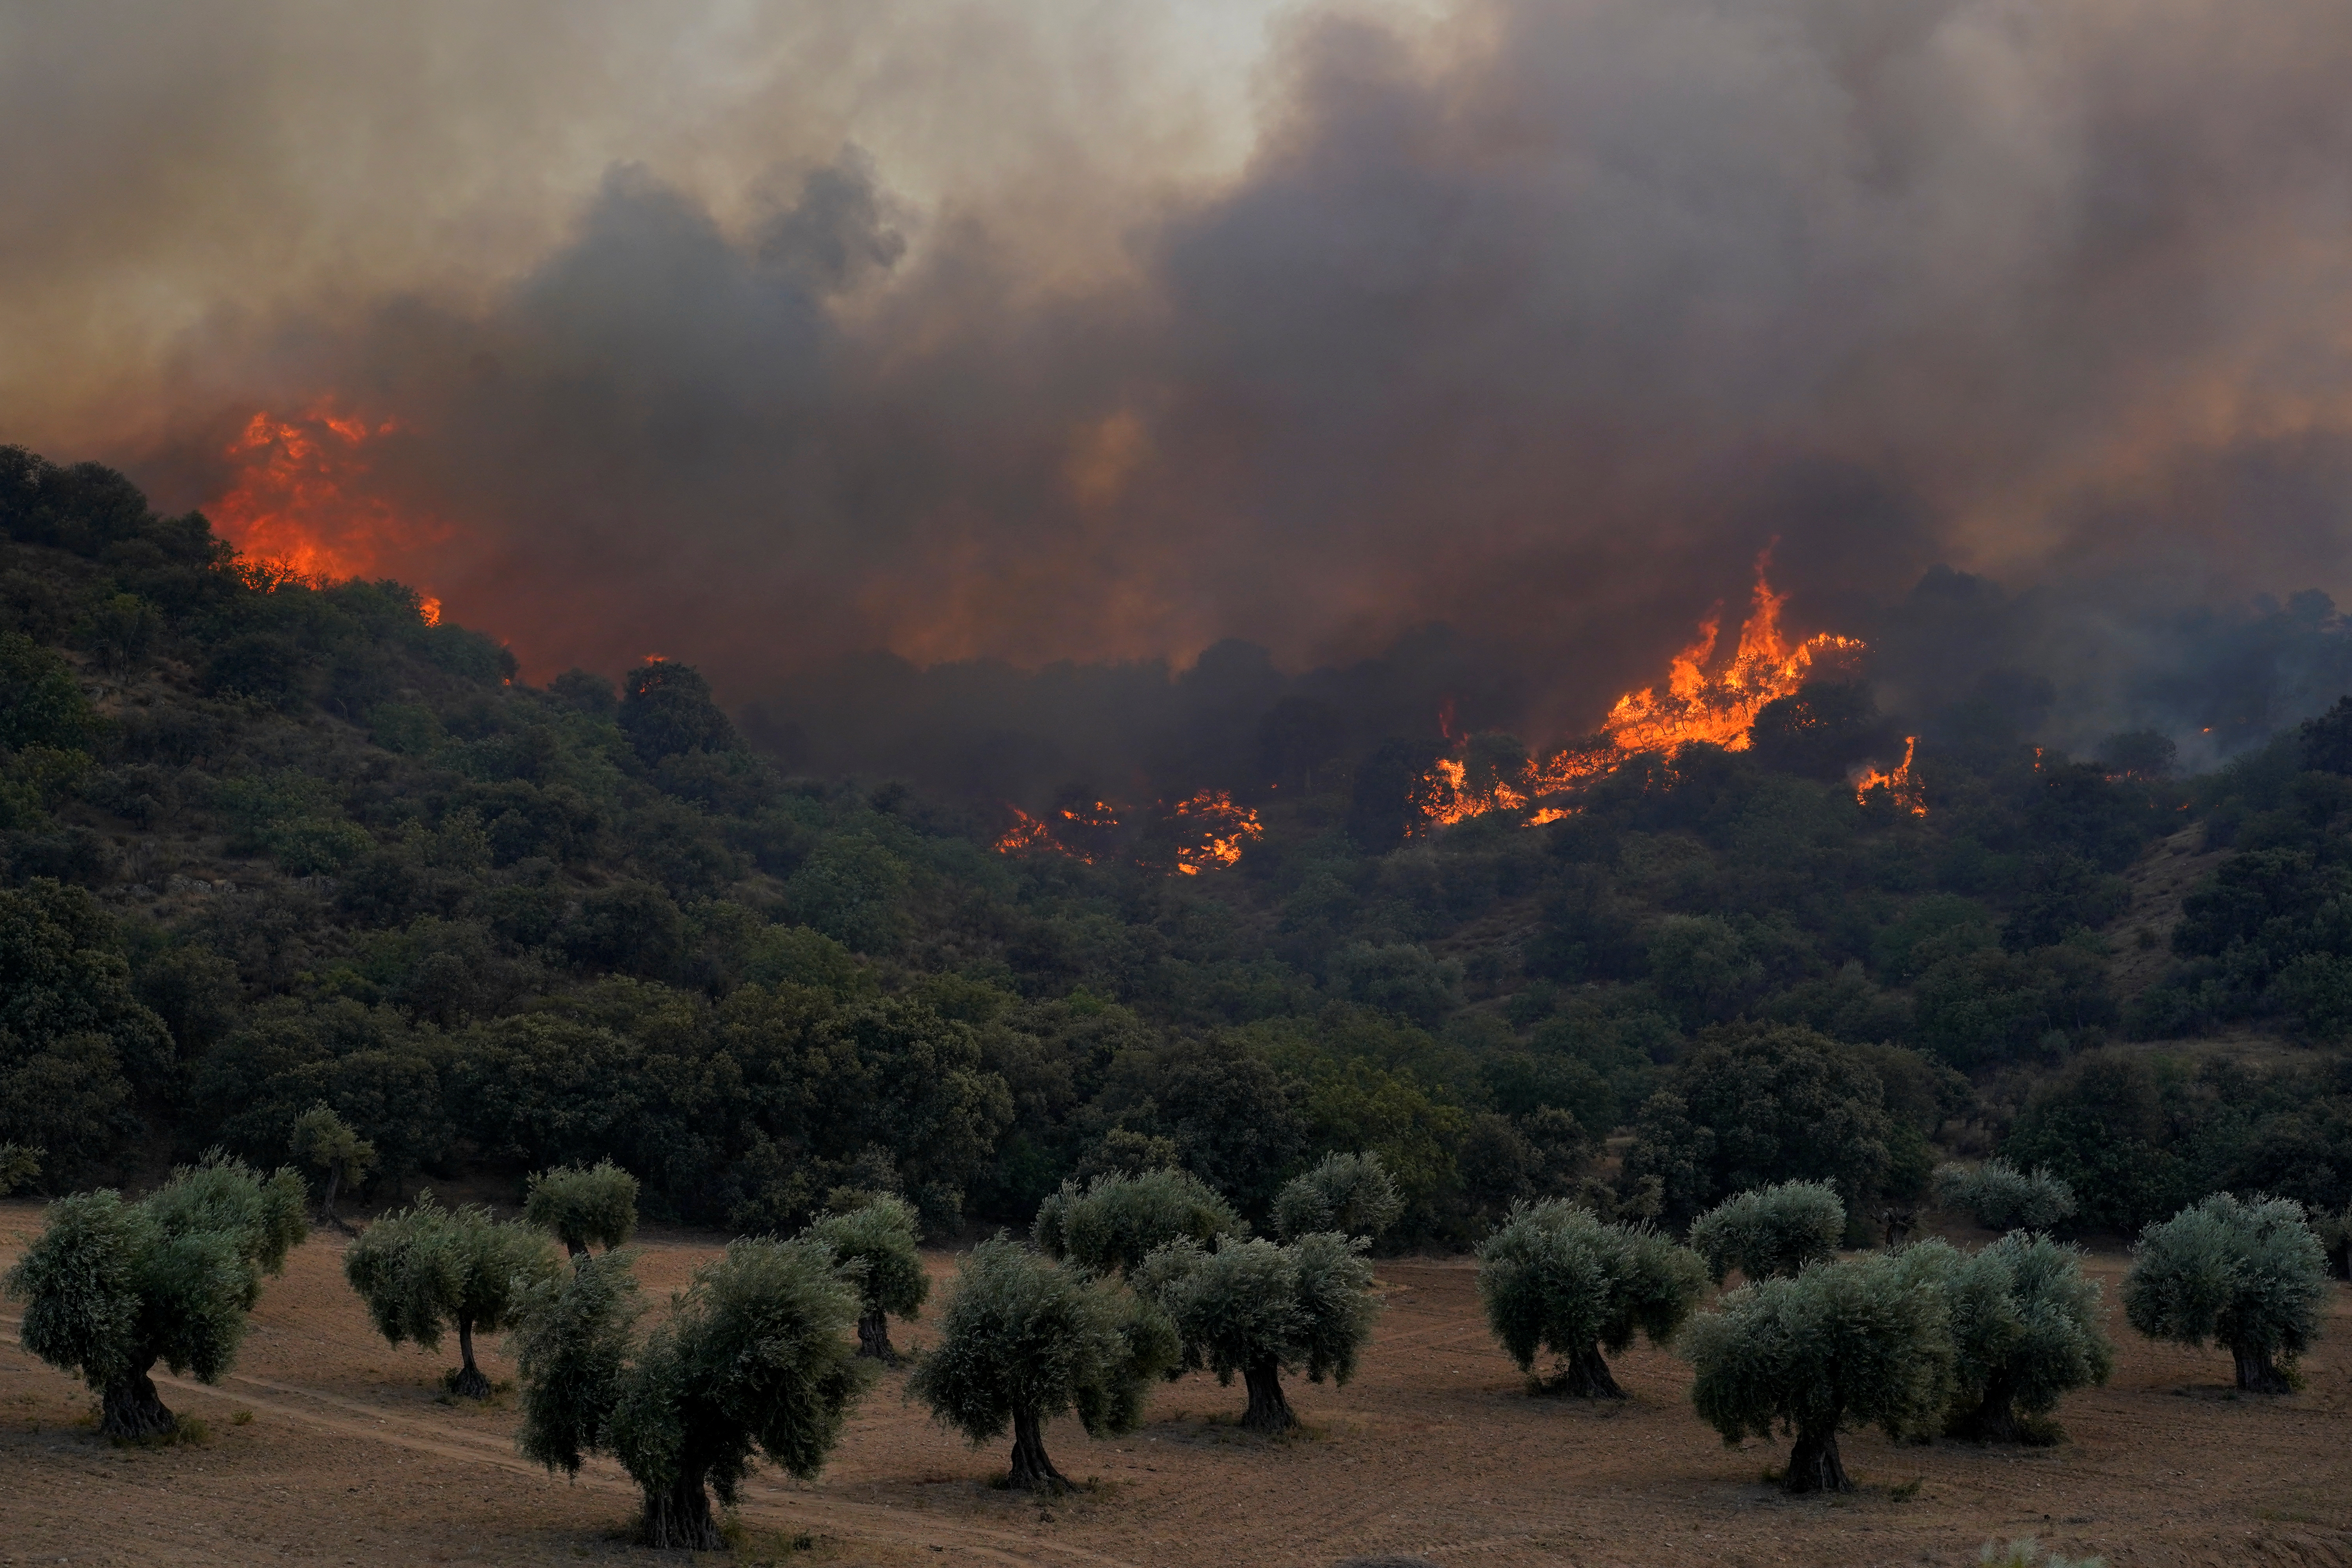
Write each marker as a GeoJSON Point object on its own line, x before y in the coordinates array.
{"type": "Point", "coordinates": [306, 499]}
{"type": "Point", "coordinates": [1695, 704]}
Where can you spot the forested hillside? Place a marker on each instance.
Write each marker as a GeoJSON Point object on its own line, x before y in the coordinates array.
{"type": "Point", "coordinates": [270, 843]}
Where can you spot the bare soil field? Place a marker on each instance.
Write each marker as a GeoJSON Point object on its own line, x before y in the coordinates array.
{"type": "Point", "coordinates": [327, 1446]}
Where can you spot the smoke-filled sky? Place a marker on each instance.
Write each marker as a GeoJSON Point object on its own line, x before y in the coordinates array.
{"type": "Point", "coordinates": [759, 334]}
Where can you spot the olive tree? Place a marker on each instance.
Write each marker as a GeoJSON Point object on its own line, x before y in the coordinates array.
{"type": "Point", "coordinates": [19, 1164]}
{"type": "Point", "coordinates": [1999, 1196]}
{"type": "Point", "coordinates": [1107, 1227]}
{"type": "Point", "coordinates": [111, 1288]}
{"type": "Point", "coordinates": [1557, 1281]}
{"type": "Point", "coordinates": [754, 1360]}
{"type": "Point", "coordinates": [1771, 1231]}
{"type": "Point", "coordinates": [2024, 1321]}
{"type": "Point", "coordinates": [1351, 1193]}
{"type": "Point", "coordinates": [583, 1206]}
{"type": "Point", "coordinates": [1260, 1310]}
{"type": "Point", "coordinates": [875, 1241]}
{"type": "Point", "coordinates": [326, 1143]}
{"type": "Point", "coordinates": [1023, 1340]}
{"type": "Point", "coordinates": [428, 1268]}
{"type": "Point", "coordinates": [2245, 1273]}
{"type": "Point", "coordinates": [1847, 1343]}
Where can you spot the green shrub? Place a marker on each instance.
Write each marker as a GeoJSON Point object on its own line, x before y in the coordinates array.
{"type": "Point", "coordinates": [1260, 1310]}
{"type": "Point", "coordinates": [1771, 1231]}
{"type": "Point", "coordinates": [1999, 1196]}
{"type": "Point", "coordinates": [111, 1288]}
{"type": "Point", "coordinates": [1555, 1279]}
{"type": "Point", "coordinates": [1849, 1343]}
{"type": "Point", "coordinates": [1115, 1221]}
{"type": "Point", "coordinates": [2244, 1273]}
{"type": "Point", "coordinates": [1022, 1340]}
{"type": "Point", "coordinates": [1350, 1194]}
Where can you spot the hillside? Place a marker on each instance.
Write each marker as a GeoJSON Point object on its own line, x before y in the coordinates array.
{"type": "Point", "coordinates": [270, 843]}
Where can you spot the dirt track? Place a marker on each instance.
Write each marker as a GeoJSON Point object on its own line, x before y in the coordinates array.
{"type": "Point", "coordinates": [349, 1457]}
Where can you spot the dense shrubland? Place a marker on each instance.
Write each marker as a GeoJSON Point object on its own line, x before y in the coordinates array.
{"type": "Point", "coordinates": [270, 846]}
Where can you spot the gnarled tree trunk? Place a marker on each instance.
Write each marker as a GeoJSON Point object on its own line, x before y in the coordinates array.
{"type": "Point", "coordinates": [1995, 1419]}
{"type": "Point", "coordinates": [1584, 1375]}
{"type": "Point", "coordinates": [1814, 1464]}
{"type": "Point", "coordinates": [874, 1336]}
{"type": "Point", "coordinates": [1268, 1410]}
{"type": "Point", "coordinates": [1032, 1469]}
{"type": "Point", "coordinates": [131, 1409]}
{"type": "Point", "coordinates": [678, 1518]}
{"type": "Point", "coordinates": [2257, 1373]}
{"type": "Point", "coordinates": [470, 1381]}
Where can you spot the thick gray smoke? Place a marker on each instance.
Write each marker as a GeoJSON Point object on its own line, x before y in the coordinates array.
{"type": "Point", "coordinates": [1538, 320]}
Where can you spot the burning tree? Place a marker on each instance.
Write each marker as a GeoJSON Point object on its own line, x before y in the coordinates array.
{"type": "Point", "coordinates": [1771, 1231]}
{"type": "Point", "coordinates": [1847, 1343]}
{"type": "Point", "coordinates": [876, 1240]}
{"type": "Point", "coordinates": [2248, 1274]}
{"type": "Point", "coordinates": [753, 1361]}
{"type": "Point", "coordinates": [582, 1206]}
{"type": "Point", "coordinates": [1259, 1310]}
{"type": "Point", "coordinates": [1110, 1224]}
{"type": "Point", "coordinates": [111, 1288]}
{"type": "Point", "coordinates": [428, 1268]}
{"type": "Point", "coordinates": [1555, 1279]}
{"type": "Point", "coordinates": [1022, 1340]}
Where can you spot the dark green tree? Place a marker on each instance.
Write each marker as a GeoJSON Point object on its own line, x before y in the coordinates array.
{"type": "Point", "coordinates": [753, 1361]}
{"type": "Point", "coordinates": [876, 1242]}
{"type": "Point", "coordinates": [1769, 1231]}
{"type": "Point", "coordinates": [1351, 1193]}
{"type": "Point", "coordinates": [1023, 1340]}
{"type": "Point", "coordinates": [1555, 1281]}
{"type": "Point", "coordinates": [1999, 1196]}
{"type": "Point", "coordinates": [2024, 1321]}
{"type": "Point", "coordinates": [1115, 1221]}
{"type": "Point", "coordinates": [326, 1143]}
{"type": "Point", "coordinates": [583, 1206]}
{"type": "Point", "coordinates": [2245, 1273]}
{"type": "Point", "coordinates": [428, 1268]}
{"type": "Point", "coordinates": [666, 708]}
{"type": "Point", "coordinates": [111, 1288]}
{"type": "Point", "coordinates": [1853, 1343]}
{"type": "Point", "coordinates": [1260, 1310]}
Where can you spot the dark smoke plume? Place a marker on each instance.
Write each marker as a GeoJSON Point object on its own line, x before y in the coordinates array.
{"type": "Point", "coordinates": [1538, 321]}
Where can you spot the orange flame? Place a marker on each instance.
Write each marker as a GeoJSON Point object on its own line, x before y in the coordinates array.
{"type": "Point", "coordinates": [1027, 835]}
{"type": "Point", "coordinates": [1694, 706]}
{"type": "Point", "coordinates": [302, 499]}
{"type": "Point", "coordinates": [1224, 828]}
{"type": "Point", "coordinates": [1900, 784]}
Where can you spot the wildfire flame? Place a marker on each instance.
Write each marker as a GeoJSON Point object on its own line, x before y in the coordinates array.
{"type": "Point", "coordinates": [1210, 831]}
{"type": "Point", "coordinates": [1900, 784]}
{"type": "Point", "coordinates": [304, 499]}
{"type": "Point", "coordinates": [1693, 705]}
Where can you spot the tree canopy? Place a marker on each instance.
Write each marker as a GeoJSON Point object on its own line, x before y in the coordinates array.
{"type": "Point", "coordinates": [1555, 1281]}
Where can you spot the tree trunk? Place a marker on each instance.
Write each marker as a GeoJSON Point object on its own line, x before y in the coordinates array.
{"type": "Point", "coordinates": [1995, 1419]}
{"type": "Point", "coordinates": [470, 1381]}
{"type": "Point", "coordinates": [1585, 1375]}
{"type": "Point", "coordinates": [874, 1336]}
{"type": "Point", "coordinates": [678, 1518]}
{"type": "Point", "coordinates": [1268, 1411]}
{"type": "Point", "coordinates": [1033, 1470]}
{"type": "Point", "coordinates": [131, 1409]}
{"type": "Point", "coordinates": [1814, 1464]}
{"type": "Point", "coordinates": [334, 1180]}
{"type": "Point", "coordinates": [2257, 1373]}
{"type": "Point", "coordinates": [575, 1250]}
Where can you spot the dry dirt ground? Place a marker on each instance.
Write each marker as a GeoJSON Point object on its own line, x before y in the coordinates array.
{"type": "Point", "coordinates": [327, 1447]}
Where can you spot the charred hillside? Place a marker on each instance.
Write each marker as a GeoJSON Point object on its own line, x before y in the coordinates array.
{"type": "Point", "coordinates": [271, 843]}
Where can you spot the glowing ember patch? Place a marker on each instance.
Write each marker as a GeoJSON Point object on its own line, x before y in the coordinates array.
{"type": "Point", "coordinates": [1224, 828]}
{"type": "Point", "coordinates": [306, 498]}
{"type": "Point", "coordinates": [1900, 784]}
{"type": "Point", "coordinates": [429, 611]}
{"type": "Point", "coordinates": [1029, 835]}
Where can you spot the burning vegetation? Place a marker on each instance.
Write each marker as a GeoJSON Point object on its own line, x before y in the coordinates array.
{"type": "Point", "coordinates": [307, 499]}
{"type": "Point", "coordinates": [1203, 831]}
